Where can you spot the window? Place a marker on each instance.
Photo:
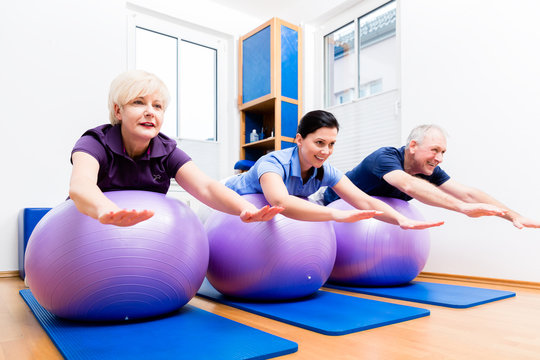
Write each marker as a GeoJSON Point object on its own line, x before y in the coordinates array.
{"type": "Point", "coordinates": [188, 67]}
{"type": "Point", "coordinates": [374, 64]}
{"type": "Point", "coordinates": [340, 65]}
{"type": "Point", "coordinates": [198, 91]}
{"type": "Point", "coordinates": [148, 43]}
{"type": "Point", "coordinates": [360, 79]}
{"type": "Point", "coordinates": [377, 57]}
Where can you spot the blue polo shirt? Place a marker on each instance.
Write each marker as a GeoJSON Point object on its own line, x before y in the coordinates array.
{"type": "Point", "coordinates": [286, 164]}
{"type": "Point", "coordinates": [117, 171]}
{"type": "Point", "coordinates": [368, 175]}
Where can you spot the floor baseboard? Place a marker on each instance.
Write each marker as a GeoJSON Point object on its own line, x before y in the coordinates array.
{"type": "Point", "coordinates": [6, 274]}
{"type": "Point", "coordinates": [483, 280]}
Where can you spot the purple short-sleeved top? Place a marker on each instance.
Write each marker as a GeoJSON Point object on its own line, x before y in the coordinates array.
{"type": "Point", "coordinates": [117, 171]}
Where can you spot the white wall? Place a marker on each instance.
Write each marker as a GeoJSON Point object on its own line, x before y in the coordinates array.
{"type": "Point", "coordinates": [473, 67]}
{"type": "Point", "coordinates": [57, 60]}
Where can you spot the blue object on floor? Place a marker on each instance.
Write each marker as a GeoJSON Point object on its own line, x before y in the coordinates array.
{"type": "Point", "coordinates": [323, 312]}
{"type": "Point", "coordinates": [244, 165]}
{"type": "Point", "coordinates": [189, 333]}
{"type": "Point", "coordinates": [453, 296]}
{"type": "Point", "coordinates": [28, 219]}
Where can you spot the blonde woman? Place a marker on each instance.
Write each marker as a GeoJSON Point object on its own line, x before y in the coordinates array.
{"type": "Point", "coordinates": [130, 153]}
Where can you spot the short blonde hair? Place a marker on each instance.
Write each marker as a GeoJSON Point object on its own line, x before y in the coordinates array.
{"type": "Point", "coordinates": [132, 84]}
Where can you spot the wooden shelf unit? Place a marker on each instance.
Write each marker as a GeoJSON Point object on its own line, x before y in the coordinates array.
{"type": "Point", "coordinates": [269, 87]}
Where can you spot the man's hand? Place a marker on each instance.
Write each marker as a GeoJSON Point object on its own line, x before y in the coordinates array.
{"type": "Point", "coordinates": [480, 209]}
{"type": "Point", "coordinates": [520, 222]}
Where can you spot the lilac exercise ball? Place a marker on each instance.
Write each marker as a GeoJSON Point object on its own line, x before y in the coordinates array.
{"type": "Point", "coordinates": [280, 259]}
{"type": "Point", "coordinates": [78, 268]}
{"type": "Point", "coordinates": [375, 253]}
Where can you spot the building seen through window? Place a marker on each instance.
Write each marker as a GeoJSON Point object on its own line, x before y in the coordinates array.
{"type": "Point", "coordinates": [361, 57]}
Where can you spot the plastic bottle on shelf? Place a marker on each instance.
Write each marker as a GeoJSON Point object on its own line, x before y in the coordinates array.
{"type": "Point", "coordinates": [261, 134]}
{"type": "Point", "coordinates": [253, 136]}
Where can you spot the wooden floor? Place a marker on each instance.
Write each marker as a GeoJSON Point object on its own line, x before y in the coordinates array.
{"type": "Point", "coordinates": [505, 329]}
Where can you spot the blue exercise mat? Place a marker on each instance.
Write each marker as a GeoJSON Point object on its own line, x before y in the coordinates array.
{"type": "Point", "coordinates": [324, 312]}
{"type": "Point", "coordinates": [189, 333]}
{"type": "Point", "coordinates": [453, 296]}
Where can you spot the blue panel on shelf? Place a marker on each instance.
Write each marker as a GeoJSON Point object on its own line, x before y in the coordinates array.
{"type": "Point", "coordinates": [289, 63]}
{"type": "Point", "coordinates": [286, 144]}
{"type": "Point", "coordinates": [289, 119]}
{"type": "Point", "coordinates": [256, 74]}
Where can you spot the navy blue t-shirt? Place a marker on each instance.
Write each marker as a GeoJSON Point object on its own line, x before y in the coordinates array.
{"type": "Point", "coordinates": [368, 175]}
{"type": "Point", "coordinates": [117, 171]}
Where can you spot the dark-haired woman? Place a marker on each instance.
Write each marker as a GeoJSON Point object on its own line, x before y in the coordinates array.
{"type": "Point", "coordinates": [285, 176]}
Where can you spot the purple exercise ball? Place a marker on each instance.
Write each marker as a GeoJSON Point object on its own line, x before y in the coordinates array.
{"type": "Point", "coordinates": [280, 259]}
{"type": "Point", "coordinates": [78, 268]}
{"type": "Point", "coordinates": [375, 253]}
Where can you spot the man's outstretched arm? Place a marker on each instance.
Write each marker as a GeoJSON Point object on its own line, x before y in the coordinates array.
{"type": "Point", "coordinates": [430, 194]}
{"type": "Point", "coordinates": [472, 195]}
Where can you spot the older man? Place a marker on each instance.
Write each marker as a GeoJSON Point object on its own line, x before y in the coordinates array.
{"type": "Point", "coordinates": [413, 171]}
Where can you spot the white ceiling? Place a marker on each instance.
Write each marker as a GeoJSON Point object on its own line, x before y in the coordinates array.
{"type": "Point", "coordinates": [293, 11]}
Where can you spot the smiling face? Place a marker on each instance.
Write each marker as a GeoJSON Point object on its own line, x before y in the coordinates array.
{"type": "Point", "coordinates": [427, 154]}
{"type": "Point", "coordinates": [315, 148]}
{"type": "Point", "coordinates": [141, 120]}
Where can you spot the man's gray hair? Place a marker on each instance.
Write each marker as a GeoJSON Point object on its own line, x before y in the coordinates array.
{"type": "Point", "coordinates": [418, 133]}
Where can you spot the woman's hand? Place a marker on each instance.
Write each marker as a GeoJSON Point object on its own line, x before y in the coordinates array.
{"type": "Point", "coordinates": [263, 214]}
{"type": "Point", "coordinates": [124, 217]}
{"type": "Point", "coordinates": [90, 200]}
{"type": "Point", "coordinates": [354, 215]}
{"type": "Point", "coordinates": [409, 224]}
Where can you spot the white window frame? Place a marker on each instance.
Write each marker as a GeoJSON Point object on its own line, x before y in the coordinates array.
{"type": "Point", "coordinates": [183, 33]}
{"type": "Point", "coordinates": [351, 15]}
{"type": "Point", "coordinates": [214, 158]}
{"type": "Point", "coordinates": [366, 123]}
